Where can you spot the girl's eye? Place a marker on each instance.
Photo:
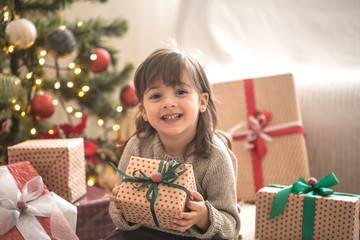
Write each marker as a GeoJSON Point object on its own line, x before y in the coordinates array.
{"type": "Point", "coordinates": [155, 96]}
{"type": "Point", "coordinates": [181, 92]}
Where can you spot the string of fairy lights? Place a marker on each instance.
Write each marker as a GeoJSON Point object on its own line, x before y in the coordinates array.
{"type": "Point", "coordinates": [71, 110]}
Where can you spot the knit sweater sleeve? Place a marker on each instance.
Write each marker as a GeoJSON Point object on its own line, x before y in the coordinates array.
{"type": "Point", "coordinates": [130, 150]}
{"type": "Point", "coordinates": [219, 189]}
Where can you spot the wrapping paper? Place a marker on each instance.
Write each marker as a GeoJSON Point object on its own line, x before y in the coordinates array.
{"type": "Point", "coordinates": [94, 221]}
{"type": "Point", "coordinates": [333, 216]}
{"type": "Point", "coordinates": [28, 210]}
{"type": "Point", "coordinates": [168, 204]}
{"type": "Point", "coordinates": [265, 122]}
{"type": "Point", "coordinates": [61, 163]}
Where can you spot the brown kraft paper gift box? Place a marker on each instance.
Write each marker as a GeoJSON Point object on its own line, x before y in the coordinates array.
{"type": "Point", "coordinates": [336, 217]}
{"type": "Point", "coordinates": [170, 200]}
{"type": "Point", "coordinates": [273, 103]}
{"type": "Point", "coordinates": [60, 162]}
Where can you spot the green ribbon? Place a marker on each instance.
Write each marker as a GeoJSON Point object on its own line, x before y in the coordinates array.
{"type": "Point", "coordinates": [169, 176]}
{"type": "Point", "coordinates": [310, 191]}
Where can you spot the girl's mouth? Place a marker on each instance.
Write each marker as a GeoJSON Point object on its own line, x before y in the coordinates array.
{"type": "Point", "coordinates": [171, 117]}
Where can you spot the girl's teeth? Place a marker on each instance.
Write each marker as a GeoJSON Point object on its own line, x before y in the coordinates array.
{"type": "Point", "coordinates": [171, 117]}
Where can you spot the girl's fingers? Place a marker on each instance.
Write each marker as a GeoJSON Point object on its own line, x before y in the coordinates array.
{"type": "Point", "coordinates": [196, 196]}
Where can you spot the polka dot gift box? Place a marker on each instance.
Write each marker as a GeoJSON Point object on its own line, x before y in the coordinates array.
{"type": "Point", "coordinates": [60, 162]}
{"type": "Point", "coordinates": [306, 211]}
{"type": "Point", "coordinates": [155, 191]}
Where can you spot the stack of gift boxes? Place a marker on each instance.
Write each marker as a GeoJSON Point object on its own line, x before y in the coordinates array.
{"type": "Point", "coordinates": [262, 116]}
{"type": "Point", "coordinates": [61, 165]}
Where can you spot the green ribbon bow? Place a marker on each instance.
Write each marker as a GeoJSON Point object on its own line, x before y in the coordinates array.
{"type": "Point", "coordinates": [310, 191]}
{"type": "Point", "coordinates": [169, 176]}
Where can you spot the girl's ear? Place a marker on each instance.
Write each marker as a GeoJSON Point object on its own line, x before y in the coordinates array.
{"type": "Point", "coordinates": [204, 99]}
{"type": "Point", "coordinates": [142, 111]}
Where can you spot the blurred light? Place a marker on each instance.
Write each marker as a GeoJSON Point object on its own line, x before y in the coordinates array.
{"type": "Point", "coordinates": [100, 122]}
{"type": "Point", "coordinates": [55, 102]}
{"type": "Point", "coordinates": [116, 127]}
{"type": "Point", "coordinates": [17, 107]}
{"type": "Point", "coordinates": [51, 132]}
{"type": "Point", "coordinates": [42, 61]}
{"type": "Point", "coordinates": [11, 48]}
{"type": "Point", "coordinates": [81, 94]}
{"type": "Point", "coordinates": [119, 109]}
{"type": "Point", "coordinates": [69, 109]}
{"type": "Point", "coordinates": [85, 88]}
{"type": "Point", "coordinates": [93, 56]}
{"type": "Point", "coordinates": [38, 81]}
{"type": "Point", "coordinates": [79, 24]}
{"type": "Point", "coordinates": [6, 15]}
{"type": "Point", "coordinates": [13, 100]}
{"type": "Point", "coordinates": [91, 181]}
{"type": "Point", "coordinates": [70, 84]}
{"type": "Point", "coordinates": [71, 65]}
{"type": "Point", "coordinates": [77, 70]}
{"type": "Point", "coordinates": [57, 85]}
{"type": "Point", "coordinates": [78, 114]}
{"type": "Point", "coordinates": [43, 53]}
{"type": "Point", "coordinates": [29, 75]}
{"type": "Point", "coordinates": [23, 114]}
{"type": "Point", "coordinates": [33, 131]}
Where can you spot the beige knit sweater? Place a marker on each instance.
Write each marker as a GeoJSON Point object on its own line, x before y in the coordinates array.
{"type": "Point", "coordinates": [215, 178]}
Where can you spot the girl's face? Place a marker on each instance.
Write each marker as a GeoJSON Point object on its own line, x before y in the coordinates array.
{"type": "Point", "coordinates": [173, 111]}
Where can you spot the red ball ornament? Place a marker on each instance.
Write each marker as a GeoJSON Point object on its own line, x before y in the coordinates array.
{"type": "Point", "coordinates": [128, 97]}
{"type": "Point", "coordinates": [102, 61]}
{"type": "Point", "coordinates": [42, 107]}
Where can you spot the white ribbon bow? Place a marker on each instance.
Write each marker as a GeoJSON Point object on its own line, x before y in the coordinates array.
{"type": "Point", "coordinates": [20, 209]}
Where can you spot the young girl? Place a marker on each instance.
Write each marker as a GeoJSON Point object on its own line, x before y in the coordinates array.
{"type": "Point", "coordinates": [177, 121]}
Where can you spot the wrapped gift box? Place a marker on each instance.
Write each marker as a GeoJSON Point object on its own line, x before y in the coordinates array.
{"type": "Point", "coordinates": [60, 162]}
{"type": "Point", "coordinates": [20, 183]}
{"type": "Point", "coordinates": [169, 202]}
{"type": "Point", "coordinates": [270, 146]}
{"type": "Point", "coordinates": [336, 217]}
{"type": "Point", "coordinates": [94, 221]}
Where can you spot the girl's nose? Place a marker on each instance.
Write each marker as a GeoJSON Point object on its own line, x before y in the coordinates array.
{"type": "Point", "coordinates": [169, 102]}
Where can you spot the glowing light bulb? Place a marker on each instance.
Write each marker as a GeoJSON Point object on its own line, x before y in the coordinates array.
{"type": "Point", "coordinates": [71, 65]}
{"type": "Point", "coordinates": [51, 132]}
{"type": "Point", "coordinates": [29, 75]}
{"type": "Point", "coordinates": [81, 93]}
{"type": "Point", "coordinates": [78, 114]}
{"type": "Point", "coordinates": [69, 109]}
{"type": "Point", "coordinates": [23, 114]}
{"type": "Point", "coordinates": [119, 109]}
{"type": "Point", "coordinates": [91, 181]}
{"type": "Point", "coordinates": [33, 131]}
{"type": "Point", "coordinates": [79, 23]}
{"type": "Point", "coordinates": [55, 102]}
{"type": "Point", "coordinates": [11, 48]}
{"type": "Point", "coordinates": [77, 70]}
{"type": "Point", "coordinates": [93, 56]}
{"type": "Point", "coordinates": [17, 107]}
{"type": "Point", "coordinates": [85, 88]}
{"type": "Point", "coordinates": [57, 85]}
{"type": "Point", "coordinates": [100, 122]}
{"type": "Point", "coordinates": [41, 61]}
{"type": "Point", "coordinates": [116, 127]}
{"type": "Point", "coordinates": [43, 53]}
{"type": "Point", "coordinates": [38, 81]}
{"type": "Point", "coordinates": [70, 84]}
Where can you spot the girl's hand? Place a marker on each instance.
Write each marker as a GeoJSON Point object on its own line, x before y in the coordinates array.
{"type": "Point", "coordinates": [198, 215]}
{"type": "Point", "coordinates": [113, 199]}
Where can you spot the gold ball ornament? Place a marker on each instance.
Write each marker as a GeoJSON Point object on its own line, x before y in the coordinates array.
{"type": "Point", "coordinates": [21, 33]}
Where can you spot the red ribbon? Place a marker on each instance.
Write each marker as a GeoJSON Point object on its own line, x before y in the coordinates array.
{"type": "Point", "coordinates": [255, 139]}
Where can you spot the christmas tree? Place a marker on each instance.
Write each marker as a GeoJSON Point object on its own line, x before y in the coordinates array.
{"type": "Point", "coordinates": [46, 63]}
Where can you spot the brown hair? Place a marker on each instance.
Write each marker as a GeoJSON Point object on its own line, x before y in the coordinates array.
{"type": "Point", "coordinates": [168, 65]}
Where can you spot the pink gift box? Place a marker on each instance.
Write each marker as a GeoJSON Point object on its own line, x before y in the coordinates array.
{"type": "Point", "coordinates": [60, 162]}
{"type": "Point", "coordinates": [22, 173]}
{"type": "Point", "coordinates": [170, 200]}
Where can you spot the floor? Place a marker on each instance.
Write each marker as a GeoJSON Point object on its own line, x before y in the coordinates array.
{"type": "Point", "coordinates": [247, 217]}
